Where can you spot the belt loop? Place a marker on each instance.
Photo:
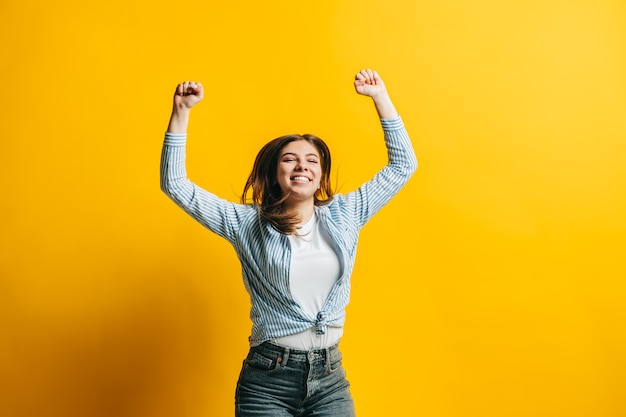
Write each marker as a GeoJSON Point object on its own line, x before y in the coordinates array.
{"type": "Point", "coordinates": [285, 357]}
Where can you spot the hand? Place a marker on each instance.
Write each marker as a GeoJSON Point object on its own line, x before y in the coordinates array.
{"type": "Point", "coordinates": [188, 94]}
{"type": "Point", "coordinates": [368, 83]}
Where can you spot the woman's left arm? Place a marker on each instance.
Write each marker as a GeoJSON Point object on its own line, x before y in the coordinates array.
{"type": "Point", "coordinates": [374, 194]}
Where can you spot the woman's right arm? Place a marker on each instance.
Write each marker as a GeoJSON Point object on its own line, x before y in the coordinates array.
{"type": "Point", "coordinates": [218, 215]}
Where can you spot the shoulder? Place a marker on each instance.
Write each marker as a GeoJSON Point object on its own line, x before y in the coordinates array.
{"type": "Point", "coordinates": [337, 208]}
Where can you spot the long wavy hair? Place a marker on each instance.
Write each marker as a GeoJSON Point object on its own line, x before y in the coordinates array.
{"type": "Point", "coordinates": [266, 192]}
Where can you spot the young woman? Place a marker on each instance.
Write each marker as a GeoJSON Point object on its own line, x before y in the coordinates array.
{"type": "Point", "coordinates": [296, 241]}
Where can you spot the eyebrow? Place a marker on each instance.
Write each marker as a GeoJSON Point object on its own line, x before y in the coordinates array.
{"type": "Point", "coordinates": [294, 154]}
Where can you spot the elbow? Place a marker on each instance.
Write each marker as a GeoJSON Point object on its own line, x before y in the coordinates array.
{"type": "Point", "coordinates": [168, 187]}
{"type": "Point", "coordinates": [411, 167]}
{"type": "Point", "coordinates": [165, 189]}
{"type": "Point", "coordinates": [164, 185]}
{"type": "Point", "coordinates": [405, 169]}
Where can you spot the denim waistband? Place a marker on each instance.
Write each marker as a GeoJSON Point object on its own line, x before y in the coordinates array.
{"type": "Point", "coordinates": [285, 353]}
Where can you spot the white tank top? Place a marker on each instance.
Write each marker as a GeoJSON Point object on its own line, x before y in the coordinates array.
{"type": "Point", "coordinates": [314, 270]}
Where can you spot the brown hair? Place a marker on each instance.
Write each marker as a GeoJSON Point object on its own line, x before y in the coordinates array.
{"type": "Point", "coordinates": [266, 193]}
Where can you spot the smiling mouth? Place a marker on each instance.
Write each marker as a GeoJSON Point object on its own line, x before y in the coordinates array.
{"type": "Point", "coordinates": [300, 178]}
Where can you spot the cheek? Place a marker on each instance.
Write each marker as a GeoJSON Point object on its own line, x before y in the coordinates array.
{"type": "Point", "coordinates": [281, 172]}
{"type": "Point", "coordinates": [319, 176]}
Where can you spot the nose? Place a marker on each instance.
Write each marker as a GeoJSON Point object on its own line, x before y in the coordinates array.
{"type": "Point", "coordinates": [302, 166]}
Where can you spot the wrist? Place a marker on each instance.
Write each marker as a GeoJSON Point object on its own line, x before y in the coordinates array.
{"type": "Point", "coordinates": [381, 96]}
{"type": "Point", "coordinates": [180, 109]}
{"type": "Point", "coordinates": [179, 120]}
{"type": "Point", "coordinates": [384, 106]}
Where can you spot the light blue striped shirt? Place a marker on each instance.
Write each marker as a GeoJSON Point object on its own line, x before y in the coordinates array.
{"type": "Point", "coordinates": [265, 253]}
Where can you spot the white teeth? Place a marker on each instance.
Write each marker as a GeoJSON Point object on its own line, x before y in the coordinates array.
{"type": "Point", "coordinates": [300, 178]}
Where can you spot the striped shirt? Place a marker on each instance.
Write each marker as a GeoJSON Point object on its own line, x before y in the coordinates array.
{"type": "Point", "coordinates": [265, 253]}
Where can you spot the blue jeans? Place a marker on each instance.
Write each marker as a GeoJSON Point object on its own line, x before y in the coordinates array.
{"type": "Point", "coordinates": [281, 382]}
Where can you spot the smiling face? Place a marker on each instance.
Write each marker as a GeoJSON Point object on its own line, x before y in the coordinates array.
{"type": "Point", "coordinates": [299, 171]}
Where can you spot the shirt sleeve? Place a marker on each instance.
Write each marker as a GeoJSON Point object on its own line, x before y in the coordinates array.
{"type": "Point", "coordinates": [218, 215]}
{"type": "Point", "coordinates": [370, 197]}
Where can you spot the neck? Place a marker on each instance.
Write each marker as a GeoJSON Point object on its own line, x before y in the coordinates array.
{"type": "Point", "coordinates": [303, 209]}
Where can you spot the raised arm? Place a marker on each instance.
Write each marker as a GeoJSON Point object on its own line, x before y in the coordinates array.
{"type": "Point", "coordinates": [218, 215]}
{"type": "Point", "coordinates": [374, 194]}
{"type": "Point", "coordinates": [368, 83]}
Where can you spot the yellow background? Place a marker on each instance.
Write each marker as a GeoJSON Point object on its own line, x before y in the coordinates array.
{"type": "Point", "coordinates": [493, 285]}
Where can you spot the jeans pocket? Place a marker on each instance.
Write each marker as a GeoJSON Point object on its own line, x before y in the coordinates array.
{"type": "Point", "coordinates": [258, 361]}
